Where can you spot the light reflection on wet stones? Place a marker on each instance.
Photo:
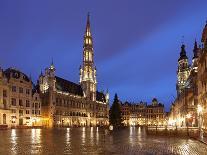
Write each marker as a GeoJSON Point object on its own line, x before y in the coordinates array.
{"type": "Point", "coordinates": [93, 141]}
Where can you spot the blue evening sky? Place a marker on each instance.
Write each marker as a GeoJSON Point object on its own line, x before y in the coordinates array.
{"type": "Point", "coordinates": [136, 42]}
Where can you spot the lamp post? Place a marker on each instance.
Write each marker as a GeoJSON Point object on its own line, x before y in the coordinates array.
{"type": "Point", "coordinates": [199, 110]}
{"type": "Point", "coordinates": [188, 116]}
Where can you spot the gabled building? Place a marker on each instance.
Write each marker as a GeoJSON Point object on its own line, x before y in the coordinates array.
{"type": "Point", "coordinates": [17, 99]}
{"type": "Point", "coordinates": [143, 114]}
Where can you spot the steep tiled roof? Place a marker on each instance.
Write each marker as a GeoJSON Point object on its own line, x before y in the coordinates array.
{"type": "Point", "coordinates": [68, 86]}
{"type": "Point", "coordinates": [100, 97]}
{"type": "Point", "coordinates": [158, 105]}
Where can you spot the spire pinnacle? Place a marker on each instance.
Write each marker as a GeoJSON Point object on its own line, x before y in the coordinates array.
{"type": "Point", "coordinates": [195, 50]}
{"type": "Point", "coordinates": [52, 65]}
{"type": "Point", "coordinates": [87, 36]}
{"type": "Point", "coordinates": [182, 53]}
{"type": "Point", "coordinates": [195, 44]}
{"type": "Point", "coordinates": [88, 29]}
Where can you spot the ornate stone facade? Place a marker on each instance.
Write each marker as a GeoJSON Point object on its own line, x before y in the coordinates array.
{"type": "Point", "coordinates": [190, 101]}
{"type": "Point", "coordinates": [202, 80]}
{"type": "Point", "coordinates": [18, 99]}
{"type": "Point", "coordinates": [143, 114]}
{"type": "Point", "coordinates": [65, 103]}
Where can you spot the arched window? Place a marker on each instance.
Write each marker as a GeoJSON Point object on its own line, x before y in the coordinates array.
{"type": "Point", "coordinates": [4, 118]}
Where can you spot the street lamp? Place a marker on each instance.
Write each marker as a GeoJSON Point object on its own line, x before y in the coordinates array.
{"type": "Point", "coordinates": [199, 110]}
{"type": "Point", "coordinates": [188, 116]}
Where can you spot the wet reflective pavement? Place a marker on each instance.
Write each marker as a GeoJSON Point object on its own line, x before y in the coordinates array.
{"type": "Point", "coordinates": [94, 141]}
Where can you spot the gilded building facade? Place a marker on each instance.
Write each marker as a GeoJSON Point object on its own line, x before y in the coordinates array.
{"type": "Point", "coordinates": [65, 103]}
{"type": "Point", "coordinates": [190, 100]}
{"type": "Point", "coordinates": [143, 114]}
{"type": "Point", "coordinates": [17, 97]}
{"type": "Point", "coordinates": [202, 81]}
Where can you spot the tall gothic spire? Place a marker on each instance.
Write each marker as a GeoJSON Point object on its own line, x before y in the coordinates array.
{"type": "Point", "coordinates": [88, 70]}
{"type": "Point", "coordinates": [88, 28]}
{"type": "Point", "coordinates": [88, 36]}
{"type": "Point", "coordinates": [52, 67]}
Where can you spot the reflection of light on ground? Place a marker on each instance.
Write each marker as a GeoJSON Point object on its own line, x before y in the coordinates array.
{"type": "Point", "coordinates": [13, 140]}
{"type": "Point", "coordinates": [125, 141]}
{"type": "Point", "coordinates": [91, 135]}
{"type": "Point", "coordinates": [13, 135]}
{"type": "Point", "coordinates": [139, 130]}
{"type": "Point", "coordinates": [67, 141]}
{"type": "Point", "coordinates": [139, 136]}
{"type": "Point", "coordinates": [83, 135]}
{"type": "Point", "coordinates": [97, 135]}
{"type": "Point", "coordinates": [68, 136]}
{"type": "Point", "coordinates": [36, 140]}
{"type": "Point", "coordinates": [36, 136]}
{"type": "Point", "coordinates": [131, 130]}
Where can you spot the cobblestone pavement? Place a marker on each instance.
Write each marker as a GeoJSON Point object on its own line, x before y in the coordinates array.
{"type": "Point", "coordinates": [95, 141]}
{"type": "Point", "coordinates": [175, 146]}
{"type": "Point", "coordinates": [137, 142]}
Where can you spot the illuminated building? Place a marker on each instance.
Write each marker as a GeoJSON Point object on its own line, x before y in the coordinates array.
{"type": "Point", "coordinates": [156, 113]}
{"type": "Point", "coordinates": [187, 90]}
{"type": "Point", "coordinates": [202, 78]}
{"type": "Point", "coordinates": [4, 100]}
{"type": "Point", "coordinates": [190, 88]}
{"type": "Point", "coordinates": [65, 103]}
{"type": "Point", "coordinates": [183, 70]}
{"type": "Point", "coordinates": [17, 99]}
{"type": "Point", "coordinates": [143, 114]}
